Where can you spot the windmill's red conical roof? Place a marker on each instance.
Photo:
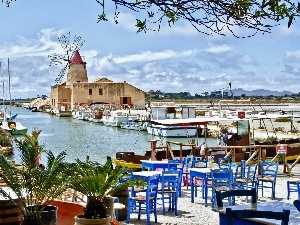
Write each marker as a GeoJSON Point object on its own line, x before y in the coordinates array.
{"type": "Point", "coordinates": [76, 58]}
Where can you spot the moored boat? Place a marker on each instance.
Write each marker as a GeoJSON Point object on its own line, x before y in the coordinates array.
{"type": "Point", "coordinates": [15, 128]}
{"type": "Point", "coordinates": [161, 116]}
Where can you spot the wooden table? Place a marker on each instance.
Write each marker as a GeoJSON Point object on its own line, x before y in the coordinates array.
{"type": "Point", "coordinates": [265, 206]}
{"type": "Point", "coordinates": [153, 165]}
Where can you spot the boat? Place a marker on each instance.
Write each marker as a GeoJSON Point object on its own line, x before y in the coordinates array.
{"type": "Point", "coordinates": [63, 109]}
{"type": "Point", "coordinates": [134, 125]}
{"type": "Point", "coordinates": [13, 127]}
{"type": "Point", "coordinates": [117, 117]}
{"type": "Point", "coordinates": [162, 117]}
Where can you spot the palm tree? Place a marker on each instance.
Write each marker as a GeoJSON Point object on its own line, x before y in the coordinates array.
{"type": "Point", "coordinates": [33, 187]}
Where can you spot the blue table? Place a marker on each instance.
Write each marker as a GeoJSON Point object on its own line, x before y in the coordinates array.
{"type": "Point", "coordinates": [265, 206]}
{"type": "Point", "coordinates": [202, 173]}
{"type": "Point", "coordinates": [153, 165]}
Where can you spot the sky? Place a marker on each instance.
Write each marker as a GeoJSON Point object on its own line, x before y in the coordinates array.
{"type": "Point", "coordinates": [175, 59]}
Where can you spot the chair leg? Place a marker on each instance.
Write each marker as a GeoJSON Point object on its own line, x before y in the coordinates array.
{"type": "Point", "coordinates": [288, 190]}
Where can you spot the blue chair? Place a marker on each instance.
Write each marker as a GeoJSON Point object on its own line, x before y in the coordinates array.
{"type": "Point", "coordinates": [170, 186]}
{"type": "Point", "coordinates": [267, 177]}
{"type": "Point", "coordinates": [188, 163]}
{"type": "Point", "coordinates": [199, 163]}
{"type": "Point", "coordinates": [249, 179]}
{"type": "Point", "coordinates": [177, 164]}
{"type": "Point", "coordinates": [240, 214]}
{"type": "Point", "coordinates": [233, 193]}
{"type": "Point", "coordinates": [292, 186]}
{"type": "Point", "coordinates": [221, 181]}
{"type": "Point", "coordinates": [145, 204]}
{"type": "Point", "coordinates": [224, 163]}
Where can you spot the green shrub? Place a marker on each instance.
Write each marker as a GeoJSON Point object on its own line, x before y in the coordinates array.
{"type": "Point", "coordinates": [5, 140]}
{"type": "Point", "coordinates": [279, 129]}
{"type": "Point", "coordinates": [283, 119]}
{"type": "Point", "coordinates": [271, 138]}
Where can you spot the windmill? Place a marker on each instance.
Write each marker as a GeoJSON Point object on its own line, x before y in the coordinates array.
{"type": "Point", "coordinates": [62, 56]}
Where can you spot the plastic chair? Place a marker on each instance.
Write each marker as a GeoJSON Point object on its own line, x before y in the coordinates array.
{"type": "Point", "coordinates": [224, 163]}
{"type": "Point", "coordinates": [188, 163]}
{"type": "Point", "coordinates": [170, 186]}
{"type": "Point", "coordinates": [145, 204]}
{"type": "Point", "coordinates": [267, 177]}
{"type": "Point", "coordinates": [240, 214]}
{"type": "Point", "coordinates": [232, 193]}
{"type": "Point", "coordinates": [221, 181]}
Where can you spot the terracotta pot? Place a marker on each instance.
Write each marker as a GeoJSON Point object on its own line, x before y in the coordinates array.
{"type": "Point", "coordinates": [80, 220]}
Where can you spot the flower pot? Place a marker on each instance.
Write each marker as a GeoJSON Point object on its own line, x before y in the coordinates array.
{"type": "Point", "coordinates": [80, 220]}
{"type": "Point", "coordinates": [49, 215]}
{"type": "Point", "coordinates": [123, 195]}
{"type": "Point", "coordinates": [10, 213]}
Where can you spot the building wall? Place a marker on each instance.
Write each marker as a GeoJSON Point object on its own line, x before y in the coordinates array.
{"type": "Point", "coordinates": [106, 92]}
{"type": "Point", "coordinates": [77, 89]}
{"type": "Point", "coordinates": [77, 73]}
{"type": "Point", "coordinates": [60, 93]}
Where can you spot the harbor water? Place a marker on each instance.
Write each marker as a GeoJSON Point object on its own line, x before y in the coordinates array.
{"type": "Point", "coordinates": [82, 138]}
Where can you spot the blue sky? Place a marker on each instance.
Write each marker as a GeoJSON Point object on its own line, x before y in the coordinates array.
{"type": "Point", "coordinates": [173, 60]}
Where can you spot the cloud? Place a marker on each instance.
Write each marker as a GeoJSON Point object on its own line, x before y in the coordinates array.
{"type": "Point", "coordinates": [218, 48]}
{"type": "Point", "coordinates": [149, 56]}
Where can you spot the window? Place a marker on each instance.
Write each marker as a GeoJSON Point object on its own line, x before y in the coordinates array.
{"type": "Point", "coordinates": [100, 91]}
{"type": "Point", "coordinates": [90, 91]}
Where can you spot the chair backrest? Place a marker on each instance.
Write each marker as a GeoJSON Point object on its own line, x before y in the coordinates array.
{"type": "Point", "coordinates": [240, 214]}
{"type": "Point", "coordinates": [175, 163]}
{"type": "Point", "coordinates": [221, 177]}
{"type": "Point", "coordinates": [250, 175]}
{"type": "Point", "coordinates": [188, 163]}
{"type": "Point", "coordinates": [236, 171]}
{"type": "Point", "coordinates": [224, 163]}
{"type": "Point", "coordinates": [152, 186]}
{"type": "Point", "coordinates": [269, 169]}
{"type": "Point", "coordinates": [236, 192]}
{"type": "Point", "coordinates": [199, 163]}
{"type": "Point", "coordinates": [171, 179]}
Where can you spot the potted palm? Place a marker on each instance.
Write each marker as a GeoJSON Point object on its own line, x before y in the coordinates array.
{"type": "Point", "coordinates": [98, 182]}
{"type": "Point", "coordinates": [33, 188]}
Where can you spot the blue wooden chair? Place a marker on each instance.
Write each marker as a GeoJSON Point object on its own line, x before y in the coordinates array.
{"type": "Point", "coordinates": [199, 163]}
{"type": "Point", "coordinates": [249, 179]}
{"type": "Point", "coordinates": [145, 204]}
{"type": "Point", "coordinates": [188, 163]}
{"type": "Point", "coordinates": [177, 164]}
{"type": "Point", "coordinates": [240, 214]}
{"type": "Point", "coordinates": [267, 177]}
{"type": "Point", "coordinates": [170, 186]}
{"type": "Point", "coordinates": [221, 181]}
{"type": "Point", "coordinates": [292, 186]}
{"type": "Point", "coordinates": [233, 193]}
{"type": "Point", "coordinates": [224, 163]}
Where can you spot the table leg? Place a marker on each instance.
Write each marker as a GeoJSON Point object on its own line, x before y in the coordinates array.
{"type": "Point", "coordinates": [192, 188]}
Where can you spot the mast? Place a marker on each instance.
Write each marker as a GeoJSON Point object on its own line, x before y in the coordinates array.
{"type": "Point", "coordinates": [9, 87]}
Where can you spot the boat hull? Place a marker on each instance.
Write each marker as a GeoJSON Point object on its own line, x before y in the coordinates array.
{"type": "Point", "coordinates": [172, 131]}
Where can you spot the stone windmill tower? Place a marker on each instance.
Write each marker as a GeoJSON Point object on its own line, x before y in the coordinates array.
{"type": "Point", "coordinates": [77, 72]}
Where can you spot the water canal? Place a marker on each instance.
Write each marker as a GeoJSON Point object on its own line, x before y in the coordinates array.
{"type": "Point", "coordinates": [82, 138]}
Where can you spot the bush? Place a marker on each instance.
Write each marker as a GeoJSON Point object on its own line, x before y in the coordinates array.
{"type": "Point", "coordinates": [5, 140]}
{"type": "Point", "coordinates": [283, 119]}
{"type": "Point", "coordinates": [279, 129]}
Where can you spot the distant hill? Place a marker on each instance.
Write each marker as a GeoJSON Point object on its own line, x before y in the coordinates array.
{"type": "Point", "coordinates": [259, 92]}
